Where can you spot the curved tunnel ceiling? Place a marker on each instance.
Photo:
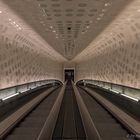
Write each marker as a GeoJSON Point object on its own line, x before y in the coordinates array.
{"type": "Point", "coordinates": [68, 25]}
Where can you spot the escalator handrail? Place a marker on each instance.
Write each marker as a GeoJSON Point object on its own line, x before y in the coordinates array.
{"type": "Point", "coordinates": [49, 125]}
{"type": "Point", "coordinates": [89, 126]}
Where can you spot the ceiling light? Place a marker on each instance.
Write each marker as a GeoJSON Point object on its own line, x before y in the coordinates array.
{"type": "Point", "coordinates": [101, 15]}
{"type": "Point", "coordinates": [53, 31]}
{"type": "Point", "coordinates": [107, 4]}
{"type": "Point", "coordinates": [103, 10]}
{"type": "Point", "coordinates": [83, 32]}
{"type": "Point", "coordinates": [51, 27]}
{"type": "Point", "coordinates": [128, 19]}
{"type": "Point", "coordinates": [90, 21]}
{"type": "Point", "coordinates": [42, 22]}
{"type": "Point", "coordinates": [98, 18]}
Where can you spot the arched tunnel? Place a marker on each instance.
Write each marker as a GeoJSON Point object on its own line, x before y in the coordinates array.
{"type": "Point", "coordinates": [70, 69]}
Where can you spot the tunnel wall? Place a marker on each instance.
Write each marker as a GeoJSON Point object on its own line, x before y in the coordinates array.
{"type": "Point", "coordinates": [114, 56]}
{"type": "Point", "coordinates": [22, 58]}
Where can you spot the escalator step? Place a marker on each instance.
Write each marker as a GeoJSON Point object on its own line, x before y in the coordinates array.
{"type": "Point", "coordinates": [117, 138]}
{"type": "Point", "coordinates": [31, 124]}
{"type": "Point", "coordinates": [21, 137]}
{"type": "Point", "coordinates": [26, 130]}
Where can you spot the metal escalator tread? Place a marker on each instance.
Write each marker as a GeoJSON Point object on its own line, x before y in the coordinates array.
{"type": "Point", "coordinates": [23, 137]}
{"type": "Point", "coordinates": [59, 129]}
{"type": "Point", "coordinates": [69, 125]}
{"type": "Point", "coordinates": [79, 125]}
{"type": "Point", "coordinates": [69, 118]}
{"type": "Point", "coordinates": [30, 127]}
{"type": "Point", "coordinates": [26, 130]}
{"type": "Point", "coordinates": [107, 126]}
{"type": "Point", "coordinates": [118, 138]}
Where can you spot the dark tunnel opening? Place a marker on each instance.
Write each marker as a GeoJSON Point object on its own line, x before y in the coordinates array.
{"type": "Point", "coordinates": [69, 74]}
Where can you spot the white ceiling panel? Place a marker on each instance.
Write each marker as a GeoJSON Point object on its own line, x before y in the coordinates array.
{"type": "Point", "coordinates": [68, 25]}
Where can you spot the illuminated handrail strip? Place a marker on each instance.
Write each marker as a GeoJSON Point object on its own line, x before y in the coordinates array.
{"type": "Point", "coordinates": [114, 91]}
{"type": "Point", "coordinates": [133, 94]}
{"type": "Point", "coordinates": [8, 93]}
{"type": "Point", "coordinates": [10, 96]}
{"type": "Point", "coordinates": [137, 100]}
